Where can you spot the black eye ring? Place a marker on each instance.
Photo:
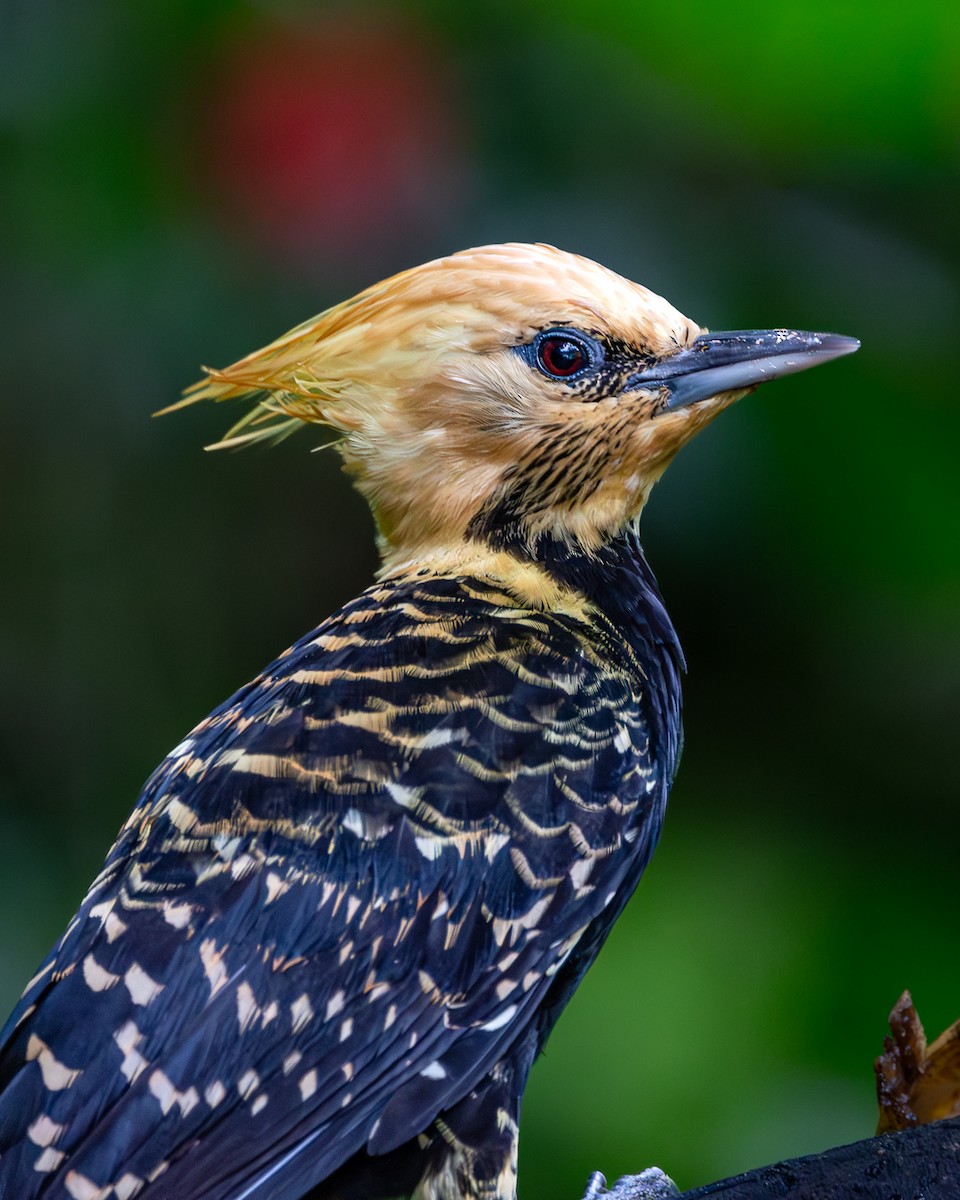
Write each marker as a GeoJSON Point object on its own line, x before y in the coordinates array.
{"type": "Point", "coordinates": [563, 353]}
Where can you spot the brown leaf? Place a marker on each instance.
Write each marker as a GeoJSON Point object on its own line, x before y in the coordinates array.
{"type": "Point", "coordinates": [917, 1083]}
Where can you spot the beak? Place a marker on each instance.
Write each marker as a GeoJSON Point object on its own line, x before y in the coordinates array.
{"type": "Point", "coordinates": [731, 362]}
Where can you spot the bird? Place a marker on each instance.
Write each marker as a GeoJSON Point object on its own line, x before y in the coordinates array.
{"type": "Point", "coordinates": [349, 906]}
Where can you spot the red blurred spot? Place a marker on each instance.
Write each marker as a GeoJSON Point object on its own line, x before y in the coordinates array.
{"type": "Point", "coordinates": [338, 140]}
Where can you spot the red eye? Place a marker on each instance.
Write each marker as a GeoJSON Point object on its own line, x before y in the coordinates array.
{"type": "Point", "coordinates": [561, 356]}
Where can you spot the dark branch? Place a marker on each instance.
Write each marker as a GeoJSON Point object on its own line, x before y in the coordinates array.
{"type": "Point", "coordinates": [922, 1163]}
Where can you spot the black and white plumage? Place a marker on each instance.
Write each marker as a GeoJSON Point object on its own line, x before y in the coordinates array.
{"type": "Point", "coordinates": [348, 908]}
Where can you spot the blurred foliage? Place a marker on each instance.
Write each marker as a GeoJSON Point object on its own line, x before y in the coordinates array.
{"type": "Point", "coordinates": [182, 182]}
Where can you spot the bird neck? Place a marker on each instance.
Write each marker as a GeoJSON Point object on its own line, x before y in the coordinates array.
{"type": "Point", "coordinates": [615, 578]}
{"type": "Point", "coordinates": [617, 581]}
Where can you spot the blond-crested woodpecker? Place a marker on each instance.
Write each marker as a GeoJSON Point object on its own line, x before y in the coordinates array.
{"type": "Point", "coordinates": [349, 906]}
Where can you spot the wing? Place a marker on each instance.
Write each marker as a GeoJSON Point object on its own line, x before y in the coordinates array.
{"type": "Point", "coordinates": [337, 904]}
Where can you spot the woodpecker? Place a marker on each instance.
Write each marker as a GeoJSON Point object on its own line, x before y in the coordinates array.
{"type": "Point", "coordinates": [348, 908]}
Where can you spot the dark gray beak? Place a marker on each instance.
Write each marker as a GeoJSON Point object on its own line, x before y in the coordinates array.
{"type": "Point", "coordinates": [728, 362]}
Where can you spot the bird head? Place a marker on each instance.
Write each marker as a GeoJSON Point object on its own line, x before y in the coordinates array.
{"type": "Point", "coordinates": [504, 393]}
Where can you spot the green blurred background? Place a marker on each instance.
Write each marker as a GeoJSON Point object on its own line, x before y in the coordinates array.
{"type": "Point", "coordinates": [182, 182]}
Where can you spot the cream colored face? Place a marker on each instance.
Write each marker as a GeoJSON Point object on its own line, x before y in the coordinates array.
{"type": "Point", "coordinates": [455, 425]}
{"type": "Point", "coordinates": [490, 447]}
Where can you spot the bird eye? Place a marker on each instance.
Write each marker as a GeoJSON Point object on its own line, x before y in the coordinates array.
{"type": "Point", "coordinates": [560, 355]}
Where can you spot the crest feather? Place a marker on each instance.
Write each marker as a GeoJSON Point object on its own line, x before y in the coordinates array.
{"type": "Point", "coordinates": [290, 380]}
